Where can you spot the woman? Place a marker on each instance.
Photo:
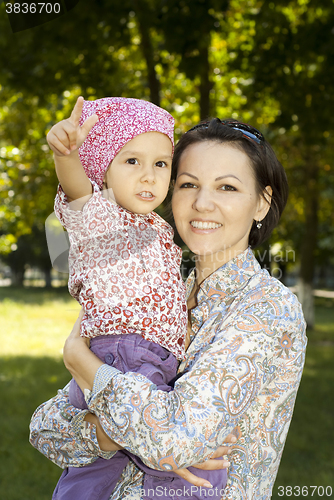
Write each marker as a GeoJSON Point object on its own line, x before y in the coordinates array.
{"type": "Point", "coordinates": [246, 334]}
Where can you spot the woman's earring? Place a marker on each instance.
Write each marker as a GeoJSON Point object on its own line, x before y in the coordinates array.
{"type": "Point", "coordinates": [259, 225]}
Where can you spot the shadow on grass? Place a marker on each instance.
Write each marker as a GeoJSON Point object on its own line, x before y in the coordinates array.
{"type": "Point", "coordinates": [26, 382]}
{"type": "Point", "coordinates": [34, 295]}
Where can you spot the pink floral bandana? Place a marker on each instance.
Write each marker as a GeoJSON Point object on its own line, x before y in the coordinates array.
{"type": "Point", "coordinates": [120, 120]}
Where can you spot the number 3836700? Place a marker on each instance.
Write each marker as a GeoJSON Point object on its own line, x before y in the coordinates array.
{"type": "Point", "coordinates": [305, 491]}
{"type": "Point", "coordinates": [33, 8]}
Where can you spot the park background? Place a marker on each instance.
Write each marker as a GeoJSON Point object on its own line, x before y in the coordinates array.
{"type": "Point", "coordinates": [267, 63]}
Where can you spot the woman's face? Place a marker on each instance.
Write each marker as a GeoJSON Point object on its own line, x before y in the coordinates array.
{"type": "Point", "coordinates": [215, 200]}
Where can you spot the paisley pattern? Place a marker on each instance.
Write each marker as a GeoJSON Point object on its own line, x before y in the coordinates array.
{"type": "Point", "coordinates": [237, 376]}
{"type": "Point", "coordinates": [125, 272]}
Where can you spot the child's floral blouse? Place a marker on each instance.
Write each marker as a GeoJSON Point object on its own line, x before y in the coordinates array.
{"type": "Point", "coordinates": [125, 272]}
{"type": "Point", "coordinates": [242, 371]}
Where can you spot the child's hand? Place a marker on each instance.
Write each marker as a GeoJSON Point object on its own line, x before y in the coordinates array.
{"type": "Point", "coordinates": [67, 136]}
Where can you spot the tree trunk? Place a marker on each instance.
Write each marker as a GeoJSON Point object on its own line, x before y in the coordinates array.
{"type": "Point", "coordinates": [17, 277]}
{"type": "Point", "coordinates": [47, 277]}
{"type": "Point", "coordinates": [305, 296]}
{"type": "Point", "coordinates": [308, 248]}
{"type": "Point", "coordinates": [143, 16]}
{"type": "Point", "coordinates": [206, 84]}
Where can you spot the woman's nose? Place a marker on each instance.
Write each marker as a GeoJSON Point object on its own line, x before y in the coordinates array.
{"type": "Point", "coordinates": [203, 201]}
{"type": "Point", "coordinates": [148, 174]}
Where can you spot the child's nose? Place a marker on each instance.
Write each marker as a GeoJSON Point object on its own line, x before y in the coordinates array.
{"type": "Point", "coordinates": [148, 174]}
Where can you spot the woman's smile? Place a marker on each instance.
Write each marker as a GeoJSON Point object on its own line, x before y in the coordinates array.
{"type": "Point", "coordinates": [204, 226]}
{"type": "Point", "coordinates": [215, 201]}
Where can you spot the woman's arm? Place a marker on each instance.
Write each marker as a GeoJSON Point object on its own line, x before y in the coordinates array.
{"type": "Point", "coordinates": [61, 433]}
{"type": "Point", "coordinates": [64, 434]}
{"type": "Point", "coordinates": [172, 430]}
{"type": "Point", "coordinates": [79, 359]}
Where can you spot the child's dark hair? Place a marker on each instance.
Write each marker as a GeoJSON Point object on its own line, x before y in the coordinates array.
{"type": "Point", "coordinates": [268, 171]}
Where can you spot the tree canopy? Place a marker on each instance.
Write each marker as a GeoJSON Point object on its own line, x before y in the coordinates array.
{"type": "Point", "coordinates": [267, 63]}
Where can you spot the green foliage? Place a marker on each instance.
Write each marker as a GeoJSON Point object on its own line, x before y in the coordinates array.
{"type": "Point", "coordinates": [292, 58]}
{"type": "Point", "coordinates": [192, 22]}
{"type": "Point", "coordinates": [269, 63]}
{"type": "Point", "coordinates": [76, 48]}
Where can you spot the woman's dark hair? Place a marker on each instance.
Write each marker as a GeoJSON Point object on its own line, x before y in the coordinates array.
{"type": "Point", "coordinates": [268, 171]}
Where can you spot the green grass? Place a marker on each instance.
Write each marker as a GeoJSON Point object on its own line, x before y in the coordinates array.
{"type": "Point", "coordinates": [25, 383]}
{"type": "Point", "coordinates": [34, 325]}
{"type": "Point", "coordinates": [35, 322]}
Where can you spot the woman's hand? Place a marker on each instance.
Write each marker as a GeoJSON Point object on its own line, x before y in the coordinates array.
{"type": "Point", "coordinates": [78, 359]}
{"type": "Point", "coordinates": [75, 333]}
{"type": "Point", "coordinates": [210, 464]}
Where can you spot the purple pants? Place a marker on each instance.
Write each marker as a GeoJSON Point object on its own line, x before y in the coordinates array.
{"type": "Point", "coordinates": [97, 481]}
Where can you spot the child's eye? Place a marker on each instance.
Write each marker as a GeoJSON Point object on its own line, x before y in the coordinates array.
{"type": "Point", "coordinates": [227, 187]}
{"type": "Point", "coordinates": [161, 164]}
{"type": "Point", "coordinates": [132, 161]}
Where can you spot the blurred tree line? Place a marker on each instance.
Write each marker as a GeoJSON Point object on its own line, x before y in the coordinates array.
{"type": "Point", "coordinates": [267, 63]}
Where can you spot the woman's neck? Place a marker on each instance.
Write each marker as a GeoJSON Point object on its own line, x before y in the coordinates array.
{"type": "Point", "coordinates": [208, 264]}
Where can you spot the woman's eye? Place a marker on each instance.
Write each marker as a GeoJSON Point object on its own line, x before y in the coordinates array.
{"type": "Point", "coordinates": [132, 161]}
{"type": "Point", "coordinates": [187, 185]}
{"type": "Point", "coordinates": [227, 187]}
{"type": "Point", "coordinates": [161, 164]}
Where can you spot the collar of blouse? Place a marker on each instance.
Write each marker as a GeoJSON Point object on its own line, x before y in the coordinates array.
{"type": "Point", "coordinates": [227, 279]}
{"type": "Point", "coordinates": [221, 287]}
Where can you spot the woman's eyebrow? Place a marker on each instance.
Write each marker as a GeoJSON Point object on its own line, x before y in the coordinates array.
{"type": "Point", "coordinates": [190, 175]}
{"type": "Point", "coordinates": [217, 179]}
{"type": "Point", "coordinates": [228, 175]}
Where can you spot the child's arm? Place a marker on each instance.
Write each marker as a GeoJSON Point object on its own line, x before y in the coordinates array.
{"type": "Point", "coordinates": [64, 139]}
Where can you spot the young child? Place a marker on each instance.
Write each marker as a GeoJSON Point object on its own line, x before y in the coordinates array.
{"type": "Point", "coordinates": [113, 161]}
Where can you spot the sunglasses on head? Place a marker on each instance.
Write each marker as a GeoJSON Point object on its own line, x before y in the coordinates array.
{"type": "Point", "coordinates": [249, 132]}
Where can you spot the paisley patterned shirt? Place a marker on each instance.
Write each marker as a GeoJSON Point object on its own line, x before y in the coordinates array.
{"type": "Point", "coordinates": [125, 272]}
{"type": "Point", "coordinates": [242, 371]}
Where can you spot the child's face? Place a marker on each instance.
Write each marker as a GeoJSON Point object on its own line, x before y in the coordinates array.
{"type": "Point", "coordinates": [139, 175]}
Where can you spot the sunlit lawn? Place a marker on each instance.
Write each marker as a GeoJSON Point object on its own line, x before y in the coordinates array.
{"type": "Point", "coordinates": [34, 321]}
{"type": "Point", "coordinates": [33, 326]}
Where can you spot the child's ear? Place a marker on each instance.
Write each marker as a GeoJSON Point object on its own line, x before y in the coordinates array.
{"type": "Point", "coordinates": [105, 183]}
